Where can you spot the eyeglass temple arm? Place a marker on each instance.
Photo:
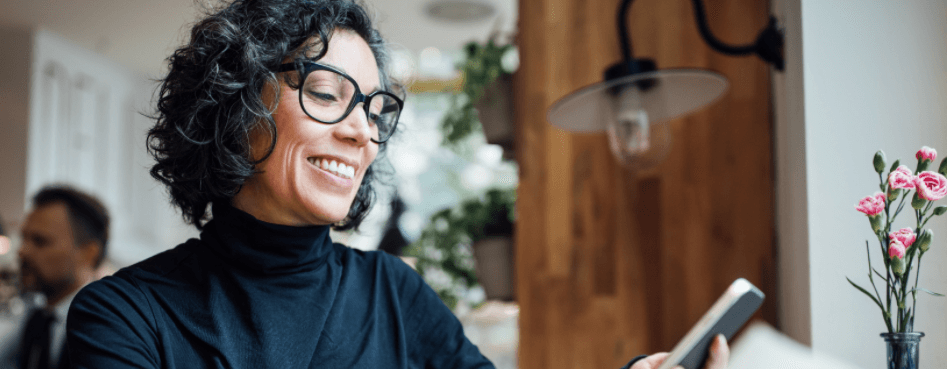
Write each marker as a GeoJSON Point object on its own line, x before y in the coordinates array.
{"type": "Point", "coordinates": [285, 67]}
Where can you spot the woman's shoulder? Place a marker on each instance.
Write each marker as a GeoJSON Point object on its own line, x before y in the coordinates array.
{"type": "Point", "coordinates": [375, 259]}
{"type": "Point", "coordinates": [109, 304]}
{"type": "Point", "coordinates": [110, 292]}
{"type": "Point", "coordinates": [126, 283]}
{"type": "Point", "coordinates": [164, 262]}
{"type": "Point", "coordinates": [396, 275]}
{"type": "Point", "coordinates": [114, 313]}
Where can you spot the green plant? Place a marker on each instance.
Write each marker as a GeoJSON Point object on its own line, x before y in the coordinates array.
{"type": "Point", "coordinates": [444, 251]}
{"type": "Point", "coordinates": [483, 64]}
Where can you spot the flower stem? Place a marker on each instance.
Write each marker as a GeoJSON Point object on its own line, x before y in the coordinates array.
{"type": "Point", "coordinates": [902, 313]}
{"type": "Point", "coordinates": [871, 276]}
{"type": "Point", "coordinates": [914, 291]}
{"type": "Point", "coordinates": [882, 240]}
{"type": "Point", "coordinates": [900, 206]}
{"type": "Point", "coordinates": [885, 314]}
{"type": "Point", "coordinates": [889, 289]}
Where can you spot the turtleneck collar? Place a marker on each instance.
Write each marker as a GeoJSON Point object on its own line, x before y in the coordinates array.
{"type": "Point", "coordinates": [266, 248]}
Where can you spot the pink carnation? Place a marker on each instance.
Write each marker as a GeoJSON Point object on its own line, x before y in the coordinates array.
{"type": "Point", "coordinates": [926, 153]}
{"type": "Point", "coordinates": [930, 186]}
{"type": "Point", "coordinates": [872, 205]}
{"type": "Point", "coordinates": [904, 235]}
{"type": "Point", "coordinates": [902, 177]}
{"type": "Point", "coordinates": [896, 249]}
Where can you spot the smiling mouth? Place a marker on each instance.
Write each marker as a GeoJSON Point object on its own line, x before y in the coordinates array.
{"type": "Point", "coordinates": [336, 168]}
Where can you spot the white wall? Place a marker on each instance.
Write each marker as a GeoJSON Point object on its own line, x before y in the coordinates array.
{"type": "Point", "coordinates": [72, 116]}
{"type": "Point", "coordinates": [873, 75]}
{"type": "Point", "coordinates": [14, 112]}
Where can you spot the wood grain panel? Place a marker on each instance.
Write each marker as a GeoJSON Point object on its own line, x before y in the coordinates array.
{"type": "Point", "coordinates": [610, 263]}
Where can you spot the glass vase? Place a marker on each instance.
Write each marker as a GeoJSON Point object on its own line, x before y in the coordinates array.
{"type": "Point", "coordinates": [903, 349]}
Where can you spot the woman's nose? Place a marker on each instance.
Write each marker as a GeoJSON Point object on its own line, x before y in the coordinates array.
{"type": "Point", "coordinates": [355, 127]}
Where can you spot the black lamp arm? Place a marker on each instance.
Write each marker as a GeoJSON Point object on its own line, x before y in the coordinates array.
{"type": "Point", "coordinates": [626, 50]}
{"type": "Point", "coordinates": [768, 45]}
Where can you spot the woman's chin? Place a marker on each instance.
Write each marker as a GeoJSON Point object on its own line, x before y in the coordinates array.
{"type": "Point", "coordinates": [325, 212]}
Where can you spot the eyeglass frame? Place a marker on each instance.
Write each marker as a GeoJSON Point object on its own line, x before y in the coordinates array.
{"type": "Point", "coordinates": [311, 66]}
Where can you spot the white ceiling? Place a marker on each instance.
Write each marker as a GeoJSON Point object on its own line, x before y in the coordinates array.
{"type": "Point", "coordinates": [140, 34]}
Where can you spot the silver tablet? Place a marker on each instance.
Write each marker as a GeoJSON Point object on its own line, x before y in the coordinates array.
{"type": "Point", "coordinates": [726, 316]}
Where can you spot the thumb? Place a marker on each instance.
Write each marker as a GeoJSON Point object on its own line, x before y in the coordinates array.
{"type": "Point", "coordinates": [719, 354]}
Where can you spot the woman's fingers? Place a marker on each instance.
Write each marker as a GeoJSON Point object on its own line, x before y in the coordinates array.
{"type": "Point", "coordinates": [717, 358]}
{"type": "Point", "coordinates": [719, 354]}
{"type": "Point", "coordinates": [651, 362]}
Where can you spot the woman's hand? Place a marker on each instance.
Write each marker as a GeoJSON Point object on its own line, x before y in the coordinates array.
{"type": "Point", "coordinates": [717, 359]}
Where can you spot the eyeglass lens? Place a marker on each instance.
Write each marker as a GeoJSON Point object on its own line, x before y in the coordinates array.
{"type": "Point", "coordinates": [327, 96]}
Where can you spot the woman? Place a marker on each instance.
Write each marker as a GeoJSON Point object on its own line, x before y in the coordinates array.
{"type": "Point", "coordinates": [273, 114]}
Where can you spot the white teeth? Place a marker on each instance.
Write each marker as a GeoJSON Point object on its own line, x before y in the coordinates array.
{"type": "Point", "coordinates": [347, 171]}
{"type": "Point", "coordinates": [339, 169]}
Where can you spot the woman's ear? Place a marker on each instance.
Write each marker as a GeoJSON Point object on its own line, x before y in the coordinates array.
{"type": "Point", "coordinates": [261, 141]}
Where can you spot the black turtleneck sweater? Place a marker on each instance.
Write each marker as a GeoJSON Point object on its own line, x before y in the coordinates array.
{"type": "Point", "coordinates": [250, 294]}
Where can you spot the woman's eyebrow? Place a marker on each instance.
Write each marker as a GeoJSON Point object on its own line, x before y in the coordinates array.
{"type": "Point", "coordinates": [336, 67]}
{"type": "Point", "coordinates": [340, 69]}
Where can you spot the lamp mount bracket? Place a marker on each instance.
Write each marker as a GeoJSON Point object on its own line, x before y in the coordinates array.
{"type": "Point", "coordinates": [768, 44]}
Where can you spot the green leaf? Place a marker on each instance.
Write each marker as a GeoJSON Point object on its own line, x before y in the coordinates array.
{"type": "Point", "coordinates": [918, 203]}
{"type": "Point", "coordinates": [883, 277]}
{"type": "Point", "coordinates": [940, 210]}
{"type": "Point", "coordinates": [866, 293]}
{"type": "Point", "coordinates": [895, 165]}
{"type": "Point", "coordinates": [929, 292]}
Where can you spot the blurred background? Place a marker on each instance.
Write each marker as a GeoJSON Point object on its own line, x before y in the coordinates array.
{"type": "Point", "coordinates": [604, 262]}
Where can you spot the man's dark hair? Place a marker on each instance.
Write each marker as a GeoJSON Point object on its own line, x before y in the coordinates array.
{"type": "Point", "coordinates": [211, 98]}
{"type": "Point", "coordinates": [87, 216]}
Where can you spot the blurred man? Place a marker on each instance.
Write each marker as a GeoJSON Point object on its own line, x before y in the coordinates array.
{"type": "Point", "coordinates": [63, 242]}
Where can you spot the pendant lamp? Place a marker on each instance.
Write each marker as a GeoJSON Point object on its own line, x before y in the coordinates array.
{"type": "Point", "coordinates": [636, 100]}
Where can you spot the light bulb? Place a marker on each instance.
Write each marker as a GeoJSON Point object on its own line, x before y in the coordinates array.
{"type": "Point", "coordinates": [633, 139]}
{"type": "Point", "coordinates": [629, 131]}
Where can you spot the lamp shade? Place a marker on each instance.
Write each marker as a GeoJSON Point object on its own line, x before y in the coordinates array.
{"type": "Point", "coordinates": [633, 110]}
{"type": "Point", "coordinates": [663, 95]}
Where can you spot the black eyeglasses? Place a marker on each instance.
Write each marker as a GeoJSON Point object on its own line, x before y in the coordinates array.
{"type": "Point", "coordinates": [328, 96]}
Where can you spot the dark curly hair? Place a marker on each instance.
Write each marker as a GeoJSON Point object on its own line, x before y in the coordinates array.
{"type": "Point", "coordinates": [211, 99]}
